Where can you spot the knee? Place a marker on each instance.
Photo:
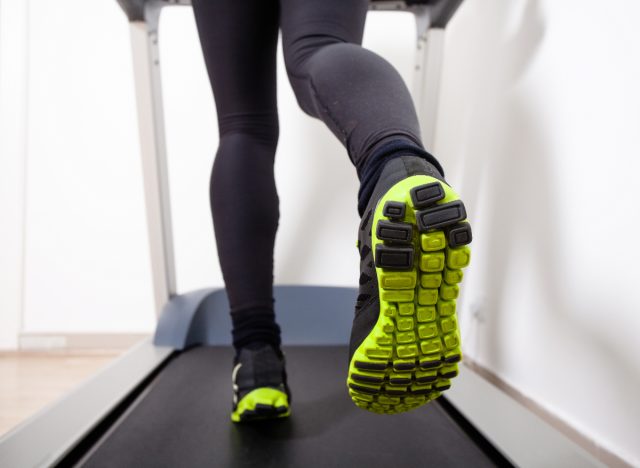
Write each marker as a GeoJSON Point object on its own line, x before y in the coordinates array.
{"type": "Point", "coordinates": [308, 60]}
{"type": "Point", "coordinates": [323, 55]}
{"type": "Point", "coordinates": [299, 51]}
{"type": "Point", "coordinates": [255, 126]}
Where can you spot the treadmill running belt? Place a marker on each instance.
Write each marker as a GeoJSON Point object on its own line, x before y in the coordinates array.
{"type": "Point", "coordinates": [182, 420]}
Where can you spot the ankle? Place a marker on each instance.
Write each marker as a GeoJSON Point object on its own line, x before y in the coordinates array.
{"type": "Point", "coordinates": [257, 344]}
{"type": "Point", "coordinates": [416, 162]}
{"type": "Point", "coordinates": [255, 323]}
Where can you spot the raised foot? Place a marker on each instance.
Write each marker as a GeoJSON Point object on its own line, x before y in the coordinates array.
{"type": "Point", "coordinates": [420, 240]}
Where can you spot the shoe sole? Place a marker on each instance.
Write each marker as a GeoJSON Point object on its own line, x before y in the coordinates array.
{"type": "Point", "coordinates": [419, 242]}
{"type": "Point", "coordinates": [261, 403]}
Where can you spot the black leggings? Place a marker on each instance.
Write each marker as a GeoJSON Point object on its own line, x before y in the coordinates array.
{"type": "Point", "coordinates": [356, 93]}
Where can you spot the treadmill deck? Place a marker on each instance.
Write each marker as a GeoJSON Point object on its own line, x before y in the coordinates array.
{"type": "Point", "coordinates": [182, 419]}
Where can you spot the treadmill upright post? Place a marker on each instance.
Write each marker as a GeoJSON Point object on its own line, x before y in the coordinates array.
{"type": "Point", "coordinates": [427, 72]}
{"type": "Point", "coordinates": [146, 66]}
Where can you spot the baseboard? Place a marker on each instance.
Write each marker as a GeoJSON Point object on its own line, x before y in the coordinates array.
{"type": "Point", "coordinates": [605, 456]}
{"type": "Point", "coordinates": [78, 341]}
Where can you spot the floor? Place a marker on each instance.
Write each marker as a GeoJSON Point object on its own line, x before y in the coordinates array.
{"type": "Point", "coordinates": [29, 381]}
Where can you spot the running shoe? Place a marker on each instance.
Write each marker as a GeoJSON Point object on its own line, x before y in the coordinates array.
{"type": "Point", "coordinates": [260, 388]}
{"type": "Point", "coordinates": [405, 341]}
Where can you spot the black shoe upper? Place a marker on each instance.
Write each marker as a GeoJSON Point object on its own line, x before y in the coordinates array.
{"type": "Point", "coordinates": [368, 303]}
{"type": "Point", "coordinates": [258, 365]}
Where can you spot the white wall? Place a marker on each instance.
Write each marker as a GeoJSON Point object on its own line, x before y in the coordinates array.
{"type": "Point", "coordinates": [540, 128]}
{"type": "Point", "coordinates": [13, 100]}
{"type": "Point", "coordinates": [86, 252]}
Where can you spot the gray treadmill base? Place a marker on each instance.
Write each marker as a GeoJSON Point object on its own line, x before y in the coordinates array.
{"type": "Point", "coordinates": [308, 315]}
{"type": "Point", "coordinates": [190, 404]}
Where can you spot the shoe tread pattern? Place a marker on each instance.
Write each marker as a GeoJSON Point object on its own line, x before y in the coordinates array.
{"type": "Point", "coordinates": [419, 240]}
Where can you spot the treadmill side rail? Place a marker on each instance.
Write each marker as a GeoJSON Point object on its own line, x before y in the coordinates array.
{"type": "Point", "coordinates": [520, 435]}
{"type": "Point", "coordinates": [46, 437]}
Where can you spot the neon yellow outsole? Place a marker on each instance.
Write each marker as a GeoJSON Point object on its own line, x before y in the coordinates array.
{"type": "Point", "coordinates": [418, 241]}
{"type": "Point", "coordinates": [262, 403]}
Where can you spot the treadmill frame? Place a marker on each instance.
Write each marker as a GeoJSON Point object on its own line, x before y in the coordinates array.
{"type": "Point", "coordinates": [185, 320]}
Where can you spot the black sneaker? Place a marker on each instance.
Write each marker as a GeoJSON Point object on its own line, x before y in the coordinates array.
{"type": "Point", "coordinates": [405, 343]}
{"type": "Point", "coordinates": [260, 388]}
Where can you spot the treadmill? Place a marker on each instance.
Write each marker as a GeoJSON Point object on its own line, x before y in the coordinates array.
{"type": "Point", "coordinates": [167, 401]}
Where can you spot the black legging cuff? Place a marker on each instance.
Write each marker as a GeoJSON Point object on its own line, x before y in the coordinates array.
{"type": "Point", "coordinates": [254, 325]}
{"type": "Point", "coordinates": [371, 169]}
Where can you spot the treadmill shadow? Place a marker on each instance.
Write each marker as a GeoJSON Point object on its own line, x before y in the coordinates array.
{"type": "Point", "coordinates": [326, 429]}
{"type": "Point", "coordinates": [308, 419]}
{"type": "Point", "coordinates": [270, 441]}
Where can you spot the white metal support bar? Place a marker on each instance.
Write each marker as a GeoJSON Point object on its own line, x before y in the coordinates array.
{"type": "Point", "coordinates": [146, 66]}
{"type": "Point", "coordinates": [427, 74]}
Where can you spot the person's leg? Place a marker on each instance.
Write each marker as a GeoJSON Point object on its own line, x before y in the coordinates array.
{"type": "Point", "coordinates": [239, 40]}
{"type": "Point", "coordinates": [359, 95]}
{"type": "Point", "coordinates": [405, 343]}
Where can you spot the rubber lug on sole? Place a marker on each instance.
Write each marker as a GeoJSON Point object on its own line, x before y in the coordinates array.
{"type": "Point", "coordinates": [394, 232]}
{"type": "Point", "coordinates": [425, 195]}
{"type": "Point", "coordinates": [459, 234]}
{"type": "Point", "coordinates": [394, 258]}
{"type": "Point", "coordinates": [394, 210]}
{"type": "Point", "coordinates": [441, 216]}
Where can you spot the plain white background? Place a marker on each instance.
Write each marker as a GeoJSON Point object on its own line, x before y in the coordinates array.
{"type": "Point", "coordinates": [538, 130]}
